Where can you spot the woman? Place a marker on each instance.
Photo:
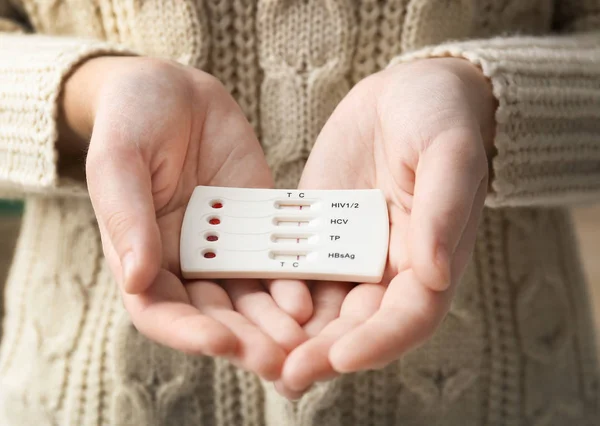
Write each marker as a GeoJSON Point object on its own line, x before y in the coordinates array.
{"type": "Point", "coordinates": [482, 318]}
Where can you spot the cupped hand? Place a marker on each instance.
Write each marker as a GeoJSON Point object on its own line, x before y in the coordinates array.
{"type": "Point", "coordinates": [159, 129]}
{"type": "Point", "coordinates": [422, 133]}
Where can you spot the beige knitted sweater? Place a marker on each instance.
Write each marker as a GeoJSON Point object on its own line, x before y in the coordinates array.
{"type": "Point", "coordinates": [518, 346]}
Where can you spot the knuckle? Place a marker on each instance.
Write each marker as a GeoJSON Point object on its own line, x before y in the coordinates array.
{"type": "Point", "coordinates": [118, 223]}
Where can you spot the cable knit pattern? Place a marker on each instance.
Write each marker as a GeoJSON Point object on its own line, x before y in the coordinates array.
{"type": "Point", "coordinates": [379, 28]}
{"type": "Point", "coordinates": [453, 19]}
{"type": "Point", "coordinates": [517, 347]}
{"type": "Point", "coordinates": [305, 51]}
{"type": "Point", "coordinates": [233, 56]}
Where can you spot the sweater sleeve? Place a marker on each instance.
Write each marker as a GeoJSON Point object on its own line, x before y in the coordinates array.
{"type": "Point", "coordinates": [548, 117]}
{"type": "Point", "coordinates": [32, 71]}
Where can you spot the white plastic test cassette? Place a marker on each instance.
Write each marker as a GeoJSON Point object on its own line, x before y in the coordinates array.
{"type": "Point", "coordinates": [339, 235]}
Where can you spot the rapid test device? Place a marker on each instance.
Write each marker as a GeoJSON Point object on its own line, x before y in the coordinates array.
{"type": "Point", "coordinates": [337, 235]}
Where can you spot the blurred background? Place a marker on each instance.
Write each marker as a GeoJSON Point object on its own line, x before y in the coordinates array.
{"type": "Point", "coordinates": [10, 213]}
{"type": "Point", "coordinates": [587, 222]}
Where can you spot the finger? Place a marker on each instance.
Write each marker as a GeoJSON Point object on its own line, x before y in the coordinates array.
{"type": "Point", "coordinates": [463, 252]}
{"type": "Point", "coordinates": [310, 363]}
{"type": "Point", "coordinates": [409, 314]}
{"type": "Point", "coordinates": [293, 297]}
{"type": "Point", "coordinates": [460, 259]}
{"type": "Point", "coordinates": [287, 393]}
{"type": "Point", "coordinates": [163, 313]}
{"type": "Point", "coordinates": [109, 253]}
{"type": "Point", "coordinates": [250, 299]}
{"type": "Point", "coordinates": [327, 299]}
{"type": "Point", "coordinates": [120, 190]}
{"type": "Point", "coordinates": [256, 352]}
{"type": "Point", "coordinates": [447, 177]}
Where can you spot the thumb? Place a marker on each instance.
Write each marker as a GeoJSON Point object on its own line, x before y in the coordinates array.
{"type": "Point", "coordinates": [120, 189]}
{"type": "Point", "coordinates": [448, 175]}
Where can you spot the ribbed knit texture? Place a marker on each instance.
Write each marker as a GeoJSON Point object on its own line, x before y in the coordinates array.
{"type": "Point", "coordinates": [548, 127]}
{"type": "Point", "coordinates": [32, 69]}
{"type": "Point", "coordinates": [517, 347]}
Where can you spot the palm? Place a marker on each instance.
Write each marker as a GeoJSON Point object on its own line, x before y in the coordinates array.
{"type": "Point", "coordinates": [189, 135]}
{"type": "Point", "coordinates": [356, 327]}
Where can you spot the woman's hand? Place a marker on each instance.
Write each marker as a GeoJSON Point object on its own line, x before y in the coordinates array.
{"type": "Point", "coordinates": [158, 130]}
{"type": "Point", "coordinates": [419, 132]}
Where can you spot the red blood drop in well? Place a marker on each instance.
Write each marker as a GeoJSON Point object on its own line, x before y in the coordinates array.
{"type": "Point", "coordinates": [214, 221]}
{"type": "Point", "coordinates": [209, 254]}
{"type": "Point", "coordinates": [212, 238]}
{"type": "Point", "coordinates": [217, 205]}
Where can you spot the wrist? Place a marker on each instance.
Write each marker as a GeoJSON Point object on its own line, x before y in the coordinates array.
{"type": "Point", "coordinates": [476, 88]}
{"type": "Point", "coordinates": [75, 119]}
{"type": "Point", "coordinates": [78, 100]}
{"type": "Point", "coordinates": [482, 100]}
{"type": "Point", "coordinates": [78, 104]}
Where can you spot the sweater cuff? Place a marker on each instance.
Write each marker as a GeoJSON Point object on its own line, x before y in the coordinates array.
{"type": "Point", "coordinates": [548, 116]}
{"type": "Point", "coordinates": [32, 71]}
